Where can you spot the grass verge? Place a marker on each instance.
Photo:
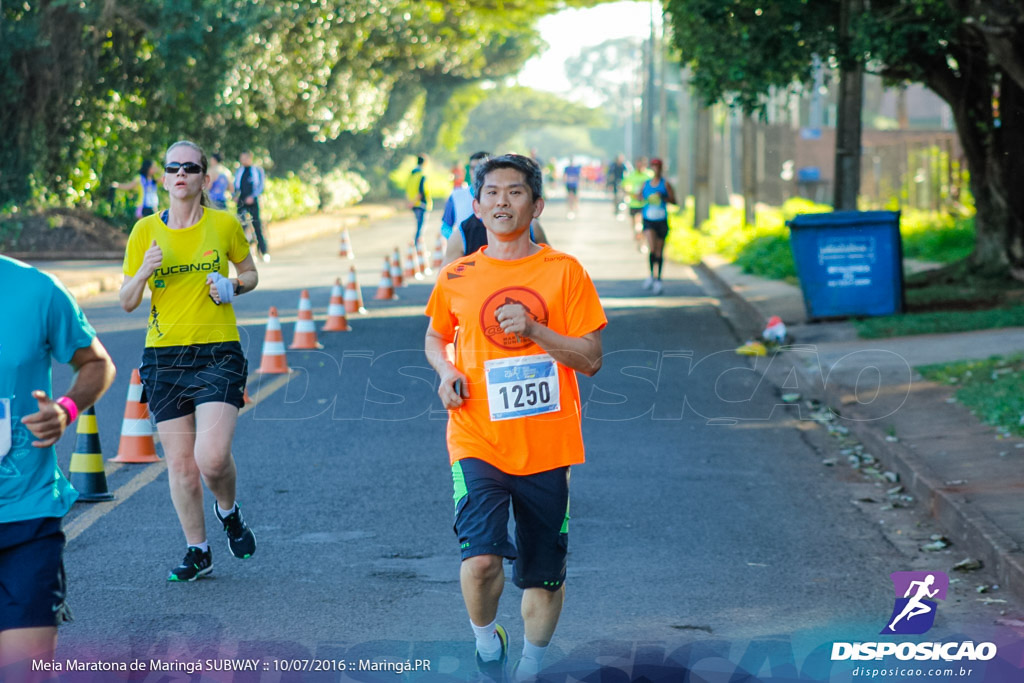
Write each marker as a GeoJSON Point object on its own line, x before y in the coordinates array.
{"type": "Point", "coordinates": [992, 389]}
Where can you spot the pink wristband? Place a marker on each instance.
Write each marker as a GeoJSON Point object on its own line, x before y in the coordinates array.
{"type": "Point", "coordinates": [70, 406]}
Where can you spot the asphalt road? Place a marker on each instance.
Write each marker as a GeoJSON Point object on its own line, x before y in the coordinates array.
{"type": "Point", "coordinates": [704, 527]}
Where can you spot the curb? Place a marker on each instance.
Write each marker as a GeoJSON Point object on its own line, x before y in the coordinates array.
{"type": "Point", "coordinates": [971, 530]}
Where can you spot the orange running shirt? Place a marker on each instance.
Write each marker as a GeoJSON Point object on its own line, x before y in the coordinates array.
{"type": "Point", "coordinates": [557, 292]}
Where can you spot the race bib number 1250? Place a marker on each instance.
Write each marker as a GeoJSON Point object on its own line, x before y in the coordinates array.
{"type": "Point", "coordinates": [521, 386]}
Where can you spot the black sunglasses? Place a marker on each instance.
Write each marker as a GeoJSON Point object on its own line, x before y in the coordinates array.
{"type": "Point", "coordinates": [188, 167]}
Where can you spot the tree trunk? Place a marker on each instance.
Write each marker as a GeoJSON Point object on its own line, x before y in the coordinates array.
{"type": "Point", "coordinates": [991, 150]}
{"type": "Point", "coordinates": [848, 126]}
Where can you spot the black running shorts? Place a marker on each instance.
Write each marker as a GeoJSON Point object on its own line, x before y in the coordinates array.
{"type": "Point", "coordinates": [175, 379]}
{"type": "Point", "coordinates": [660, 228]}
{"type": "Point", "coordinates": [540, 505]}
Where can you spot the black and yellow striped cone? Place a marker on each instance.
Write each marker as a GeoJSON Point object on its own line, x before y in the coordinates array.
{"type": "Point", "coordinates": [87, 473]}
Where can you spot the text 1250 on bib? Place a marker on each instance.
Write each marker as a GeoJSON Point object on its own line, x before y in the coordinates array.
{"type": "Point", "coordinates": [521, 386]}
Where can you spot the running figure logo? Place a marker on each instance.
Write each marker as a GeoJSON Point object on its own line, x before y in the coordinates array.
{"type": "Point", "coordinates": [914, 612]}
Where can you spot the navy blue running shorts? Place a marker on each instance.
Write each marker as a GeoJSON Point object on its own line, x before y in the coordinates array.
{"type": "Point", "coordinates": [175, 379]}
{"type": "Point", "coordinates": [540, 505]}
{"type": "Point", "coordinates": [32, 583]}
{"type": "Point", "coordinates": [660, 228]}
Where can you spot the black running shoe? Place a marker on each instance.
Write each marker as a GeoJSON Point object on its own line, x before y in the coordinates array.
{"type": "Point", "coordinates": [196, 564]}
{"type": "Point", "coordinates": [241, 539]}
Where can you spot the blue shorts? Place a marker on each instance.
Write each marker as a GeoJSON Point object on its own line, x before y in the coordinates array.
{"type": "Point", "coordinates": [540, 505]}
{"type": "Point", "coordinates": [175, 379]}
{"type": "Point", "coordinates": [32, 583]}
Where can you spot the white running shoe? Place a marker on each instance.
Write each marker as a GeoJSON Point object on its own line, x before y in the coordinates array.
{"type": "Point", "coordinates": [649, 282]}
{"type": "Point", "coordinates": [266, 258]}
{"type": "Point", "coordinates": [656, 288]}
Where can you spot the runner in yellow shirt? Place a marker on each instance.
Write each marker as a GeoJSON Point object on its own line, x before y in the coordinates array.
{"type": "Point", "coordinates": [193, 370]}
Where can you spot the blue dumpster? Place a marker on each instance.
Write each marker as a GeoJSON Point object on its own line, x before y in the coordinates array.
{"type": "Point", "coordinates": [850, 263]}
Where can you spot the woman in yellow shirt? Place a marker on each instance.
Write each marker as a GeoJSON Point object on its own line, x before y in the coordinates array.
{"type": "Point", "coordinates": [193, 369]}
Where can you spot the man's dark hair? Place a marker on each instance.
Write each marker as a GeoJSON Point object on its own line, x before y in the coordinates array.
{"type": "Point", "coordinates": [525, 165]}
{"type": "Point", "coordinates": [420, 160]}
{"type": "Point", "coordinates": [479, 155]}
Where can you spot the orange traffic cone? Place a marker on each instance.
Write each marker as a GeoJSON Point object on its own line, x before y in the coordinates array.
{"type": "Point", "coordinates": [424, 259]}
{"type": "Point", "coordinates": [409, 269]}
{"type": "Point", "coordinates": [396, 270]}
{"type": "Point", "coordinates": [353, 295]}
{"type": "Point", "coordinates": [305, 330]}
{"type": "Point", "coordinates": [137, 443]}
{"type": "Point", "coordinates": [273, 361]}
{"type": "Point", "coordinates": [438, 257]}
{"type": "Point", "coordinates": [386, 288]}
{"type": "Point", "coordinates": [87, 474]}
{"type": "Point", "coordinates": [345, 249]}
{"type": "Point", "coordinates": [336, 321]}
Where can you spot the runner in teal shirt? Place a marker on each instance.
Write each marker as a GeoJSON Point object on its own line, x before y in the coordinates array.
{"type": "Point", "coordinates": [39, 321]}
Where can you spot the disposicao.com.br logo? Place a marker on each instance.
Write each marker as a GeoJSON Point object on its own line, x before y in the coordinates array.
{"type": "Point", "coordinates": [913, 613]}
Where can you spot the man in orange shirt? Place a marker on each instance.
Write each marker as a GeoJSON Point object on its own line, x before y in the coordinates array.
{"type": "Point", "coordinates": [528, 318]}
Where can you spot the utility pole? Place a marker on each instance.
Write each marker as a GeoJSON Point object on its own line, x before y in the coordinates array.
{"type": "Point", "coordinates": [647, 129]}
{"type": "Point", "coordinates": [848, 125]}
{"type": "Point", "coordinates": [703, 131]}
{"type": "Point", "coordinates": [749, 169]}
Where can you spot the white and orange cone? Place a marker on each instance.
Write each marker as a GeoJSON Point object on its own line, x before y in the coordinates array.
{"type": "Point", "coordinates": [353, 295]}
{"type": "Point", "coordinates": [336, 320]}
{"type": "Point", "coordinates": [438, 257]}
{"type": "Point", "coordinates": [345, 248]}
{"type": "Point", "coordinates": [273, 361]}
{"type": "Point", "coordinates": [305, 329]}
{"type": "Point", "coordinates": [409, 269]}
{"type": "Point", "coordinates": [386, 288]}
{"type": "Point", "coordinates": [137, 445]}
{"type": "Point", "coordinates": [424, 259]}
{"type": "Point", "coordinates": [396, 270]}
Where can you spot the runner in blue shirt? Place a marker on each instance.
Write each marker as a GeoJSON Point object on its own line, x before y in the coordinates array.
{"type": "Point", "coordinates": [572, 187]}
{"type": "Point", "coordinates": [656, 194]}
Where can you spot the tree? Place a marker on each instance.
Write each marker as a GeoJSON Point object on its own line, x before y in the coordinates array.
{"type": "Point", "coordinates": [507, 111]}
{"type": "Point", "coordinates": [91, 88]}
{"type": "Point", "coordinates": [740, 49]}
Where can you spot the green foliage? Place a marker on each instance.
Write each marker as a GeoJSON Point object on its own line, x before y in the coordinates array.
{"type": "Point", "coordinates": [339, 189]}
{"type": "Point", "coordinates": [439, 182]}
{"type": "Point", "coordinates": [936, 236]}
{"type": "Point", "coordinates": [288, 197]}
{"type": "Point", "coordinates": [762, 249]}
{"type": "Point", "coordinates": [93, 88]}
{"type": "Point", "coordinates": [509, 110]}
{"type": "Point", "coordinates": [992, 389]}
{"type": "Point", "coordinates": [939, 322]}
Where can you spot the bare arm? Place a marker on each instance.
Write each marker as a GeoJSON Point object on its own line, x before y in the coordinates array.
{"type": "Point", "coordinates": [94, 375]}
{"type": "Point", "coordinates": [583, 354]}
{"type": "Point", "coordinates": [246, 274]}
{"type": "Point", "coordinates": [134, 184]}
{"type": "Point", "coordinates": [454, 249]}
{"type": "Point", "coordinates": [132, 288]}
{"type": "Point", "coordinates": [670, 192]}
{"type": "Point", "coordinates": [435, 345]}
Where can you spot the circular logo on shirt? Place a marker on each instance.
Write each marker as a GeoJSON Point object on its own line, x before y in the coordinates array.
{"type": "Point", "coordinates": [528, 299]}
